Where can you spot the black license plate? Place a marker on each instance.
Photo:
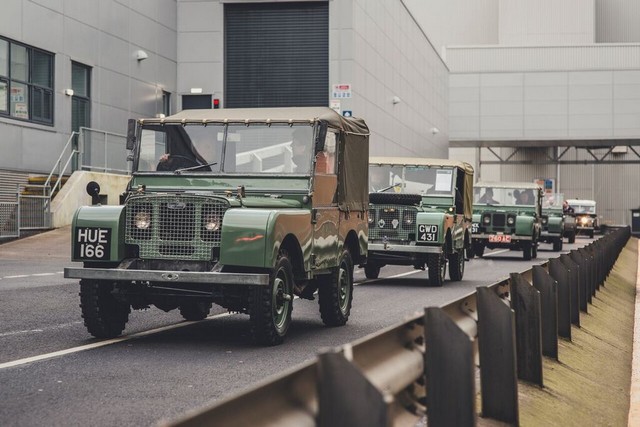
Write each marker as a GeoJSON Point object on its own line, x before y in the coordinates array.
{"type": "Point", "coordinates": [93, 243]}
{"type": "Point", "coordinates": [427, 233]}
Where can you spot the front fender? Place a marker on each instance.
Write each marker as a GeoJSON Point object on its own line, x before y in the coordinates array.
{"type": "Point", "coordinates": [252, 237]}
{"type": "Point", "coordinates": [98, 230]}
{"type": "Point", "coordinates": [555, 225]}
{"type": "Point", "coordinates": [524, 225]}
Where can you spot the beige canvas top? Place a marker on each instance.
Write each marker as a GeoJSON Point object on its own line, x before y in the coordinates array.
{"type": "Point", "coordinates": [420, 161]}
{"type": "Point", "coordinates": [526, 185]}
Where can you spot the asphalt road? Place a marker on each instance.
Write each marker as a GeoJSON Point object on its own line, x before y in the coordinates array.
{"type": "Point", "coordinates": [52, 372]}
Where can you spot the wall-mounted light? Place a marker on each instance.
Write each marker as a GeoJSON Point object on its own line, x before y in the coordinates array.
{"type": "Point", "coordinates": [395, 100]}
{"type": "Point", "coordinates": [195, 90]}
{"type": "Point", "coordinates": [140, 55]}
{"type": "Point", "coordinates": [68, 92]}
{"type": "Point", "coordinates": [435, 130]}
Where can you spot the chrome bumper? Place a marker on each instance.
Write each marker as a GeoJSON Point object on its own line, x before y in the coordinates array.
{"type": "Point", "coordinates": [391, 247]}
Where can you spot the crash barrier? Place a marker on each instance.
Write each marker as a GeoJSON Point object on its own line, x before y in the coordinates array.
{"type": "Point", "coordinates": [431, 360]}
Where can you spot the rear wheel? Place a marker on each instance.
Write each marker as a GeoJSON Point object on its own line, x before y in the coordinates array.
{"type": "Point", "coordinates": [335, 292]}
{"type": "Point", "coordinates": [456, 265]}
{"type": "Point", "coordinates": [478, 249]}
{"type": "Point", "coordinates": [271, 306]}
{"type": "Point", "coordinates": [371, 271]}
{"type": "Point", "coordinates": [195, 310]}
{"type": "Point", "coordinates": [437, 265]}
{"type": "Point", "coordinates": [104, 316]}
{"type": "Point", "coordinates": [557, 245]}
{"type": "Point", "coordinates": [572, 237]}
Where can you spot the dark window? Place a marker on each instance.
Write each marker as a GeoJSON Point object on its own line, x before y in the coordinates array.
{"type": "Point", "coordinates": [26, 82]}
{"type": "Point", "coordinates": [276, 54]}
{"type": "Point", "coordinates": [81, 99]}
{"type": "Point", "coordinates": [166, 103]}
{"type": "Point", "coordinates": [194, 102]}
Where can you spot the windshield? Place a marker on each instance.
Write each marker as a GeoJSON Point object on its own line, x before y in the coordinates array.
{"type": "Point", "coordinates": [234, 148]}
{"type": "Point", "coordinates": [503, 196]}
{"type": "Point", "coordinates": [552, 201]}
{"type": "Point", "coordinates": [422, 180]}
{"type": "Point", "coordinates": [583, 209]}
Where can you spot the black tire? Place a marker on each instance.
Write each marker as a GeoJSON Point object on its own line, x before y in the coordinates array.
{"type": "Point", "coordinates": [271, 305]}
{"type": "Point", "coordinates": [195, 310]}
{"type": "Point", "coordinates": [572, 237]}
{"type": "Point", "coordinates": [104, 316]}
{"type": "Point", "coordinates": [335, 292]}
{"type": "Point", "coordinates": [456, 265]}
{"type": "Point", "coordinates": [478, 250]}
{"type": "Point", "coordinates": [591, 234]}
{"type": "Point", "coordinates": [526, 251]}
{"type": "Point", "coordinates": [371, 271]}
{"type": "Point", "coordinates": [557, 245]}
{"type": "Point", "coordinates": [395, 198]}
{"type": "Point", "coordinates": [437, 265]}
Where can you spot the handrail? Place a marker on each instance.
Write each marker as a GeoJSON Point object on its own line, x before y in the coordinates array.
{"type": "Point", "coordinates": [392, 375]}
{"type": "Point", "coordinates": [47, 183]}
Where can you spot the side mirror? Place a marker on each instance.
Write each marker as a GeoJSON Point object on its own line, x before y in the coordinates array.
{"type": "Point", "coordinates": [131, 134]}
{"type": "Point", "coordinates": [93, 189]}
{"type": "Point", "coordinates": [321, 135]}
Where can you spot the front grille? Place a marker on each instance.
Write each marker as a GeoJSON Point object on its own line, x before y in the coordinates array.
{"type": "Point", "coordinates": [498, 220]}
{"type": "Point", "coordinates": [395, 222]}
{"type": "Point", "coordinates": [181, 226]}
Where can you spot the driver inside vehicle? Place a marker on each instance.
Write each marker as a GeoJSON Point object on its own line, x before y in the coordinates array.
{"type": "Point", "coordinates": [180, 156]}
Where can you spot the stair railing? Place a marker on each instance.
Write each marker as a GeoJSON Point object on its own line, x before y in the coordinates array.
{"type": "Point", "coordinates": [60, 170]}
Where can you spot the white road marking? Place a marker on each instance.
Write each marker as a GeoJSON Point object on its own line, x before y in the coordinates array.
{"type": "Point", "coordinates": [16, 277]}
{"type": "Point", "coordinates": [99, 344]}
{"type": "Point", "coordinates": [29, 331]}
{"type": "Point", "coordinates": [22, 276]}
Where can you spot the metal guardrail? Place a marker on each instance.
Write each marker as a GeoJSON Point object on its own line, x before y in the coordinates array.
{"type": "Point", "coordinates": [430, 361]}
{"type": "Point", "coordinates": [9, 214]}
{"type": "Point", "coordinates": [103, 151]}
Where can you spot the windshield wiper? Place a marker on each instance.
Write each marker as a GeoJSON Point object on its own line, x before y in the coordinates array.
{"type": "Point", "coordinates": [387, 188]}
{"type": "Point", "coordinates": [192, 168]}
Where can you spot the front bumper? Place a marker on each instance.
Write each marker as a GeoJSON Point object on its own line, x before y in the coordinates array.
{"type": "Point", "coordinates": [398, 248]}
{"type": "Point", "coordinates": [217, 278]}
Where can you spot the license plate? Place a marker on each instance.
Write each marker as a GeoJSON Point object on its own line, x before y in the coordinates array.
{"type": "Point", "coordinates": [499, 238]}
{"type": "Point", "coordinates": [92, 243]}
{"type": "Point", "coordinates": [427, 233]}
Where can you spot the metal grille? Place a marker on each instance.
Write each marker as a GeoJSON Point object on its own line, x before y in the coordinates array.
{"type": "Point", "coordinates": [9, 214]}
{"type": "Point", "coordinates": [180, 226]}
{"type": "Point", "coordinates": [498, 220]}
{"type": "Point", "coordinates": [394, 222]}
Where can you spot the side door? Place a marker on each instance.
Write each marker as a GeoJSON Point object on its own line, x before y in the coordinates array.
{"type": "Point", "coordinates": [325, 213]}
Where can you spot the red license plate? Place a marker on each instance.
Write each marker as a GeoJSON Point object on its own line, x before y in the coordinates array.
{"type": "Point", "coordinates": [499, 238]}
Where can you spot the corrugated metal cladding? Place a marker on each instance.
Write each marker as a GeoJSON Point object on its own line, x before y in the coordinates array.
{"type": "Point", "coordinates": [276, 54]}
{"type": "Point", "coordinates": [617, 21]}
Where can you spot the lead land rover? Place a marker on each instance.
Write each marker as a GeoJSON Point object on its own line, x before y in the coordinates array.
{"type": "Point", "coordinates": [245, 208]}
{"type": "Point", "coordinates": [586, 216]}
{"type": "Point", "coordinates": [419, 214]}
{"type": "Point", "coordinates": [507, 215]}
{"type": "Point", "coordinates": [553, 220]}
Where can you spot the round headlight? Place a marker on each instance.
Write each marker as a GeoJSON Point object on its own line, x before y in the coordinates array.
{"type": "Point", "coordinates": [544, 220]}
{"type": "Point", "coordinates": [584, 220]}
{"type": "Point", "coordinates": [142, 220]}
{"type": "Point", "coordinates": [486, 219]}
{"type": "Point", "coordinates": [212, 223]}
{"type": "Point", "coordinates": [511, 220]}
{"type": "Point", "coordinates": [408, 220]}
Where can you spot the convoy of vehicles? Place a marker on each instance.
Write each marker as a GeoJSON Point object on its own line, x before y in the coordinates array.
{"type": "Point", "coordinates": [507, 215]}
{"type": "Point", "coordinates": [419, 215]}
{"type": "Point", "coordinates": [247, 208]}
{"type": "Point", "coordinates": [586, 216]}
{"type": "Point", "coordinates": [553, 220]}
{"type": "Point", "coordinates": [244, 208]}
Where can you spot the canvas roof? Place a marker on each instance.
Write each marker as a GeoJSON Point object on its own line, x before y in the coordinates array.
{"type": "Point", "coordinates": [526, 185]}
{"type": "Point", "coordinates": [419, 161]}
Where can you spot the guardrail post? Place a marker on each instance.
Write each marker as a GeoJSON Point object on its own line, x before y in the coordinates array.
{"type": "Point", "coordinates": [585, 293]}
{"type": "Point", "coordinates": [572, 274]}
{"type": "Point", "coordinates": [497, 348]}
{"type": "Point", "coordinates": [365, 405]}
{"type": "Point", "coordinates": [525, 301]}
{"type": "Point", "coordinates": [587, 253]}
{"type": "Point", "coordinates": [560, 273]}
{"type": "Point", "coordinates": [449, 372]}
{"type": "Point", "coordinates": [548, 288]}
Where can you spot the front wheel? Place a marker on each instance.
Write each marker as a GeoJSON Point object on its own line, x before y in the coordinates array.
{"type": "Point", "coordinates": [371, 271]}
{"type": "Point", "coordinates": [572, 237]}
{"type": "Point", "coordinates": [526, 251]}
{"type": "Point", "coordinates": [557, 245]}
{"type": "Point", "coordinates": [104, 316]}
{"type": "Point", "coordinates": [271, 306]}
{"type": "Point", "coordinates": [195, 310]}
{"type": "Point", "coordinates": [478, 249]}
{"type": "Point", "coordinates": [456, 265]}
{"type": "Point", "coordinates": [437, 265]}
{"type": "Point", "coordinates": [335, 292]}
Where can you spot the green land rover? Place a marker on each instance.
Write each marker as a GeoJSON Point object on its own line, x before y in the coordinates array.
{"type": "Point", "coordinates": [507, 215]}
{"type": "Point", "coordinates": [553, 220]}
{"type": "Point", "coordinates": [244, 208]}
{"type": "Point", "coordinates": [419, 215]}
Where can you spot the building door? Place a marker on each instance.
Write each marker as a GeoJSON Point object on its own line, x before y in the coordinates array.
{"type": "Point", "coordinates": [81, 107]}
{"type": "Point", "coordinates": [276, 54]}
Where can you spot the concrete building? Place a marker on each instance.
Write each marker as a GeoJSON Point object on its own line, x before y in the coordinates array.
{"type": "Point", "coordinates": [67, 64]}
{"type": "Point", "coordinates": [545, 89]}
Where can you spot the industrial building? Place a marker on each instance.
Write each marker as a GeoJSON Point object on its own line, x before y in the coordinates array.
{"type": "Point", "coordinates": [527, 80]}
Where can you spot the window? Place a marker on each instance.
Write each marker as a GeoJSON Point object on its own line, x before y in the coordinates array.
{"type": "Point", "coordinates": [81, 99]}
{"type": "Point", "coordinates": [166, 103]}
{"type": "Point", "coordinates": [26, 82]}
